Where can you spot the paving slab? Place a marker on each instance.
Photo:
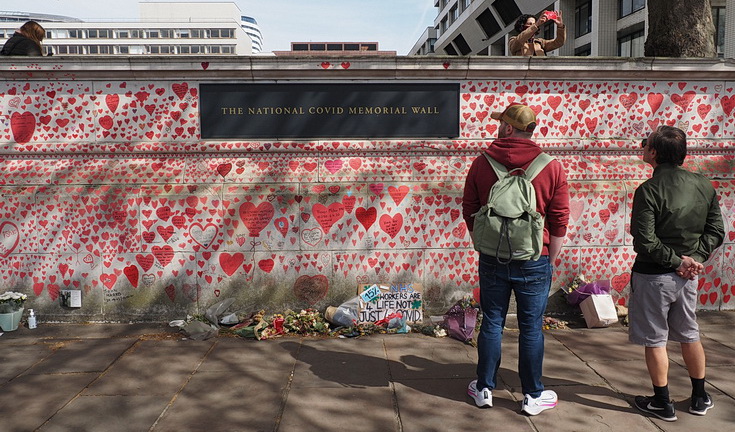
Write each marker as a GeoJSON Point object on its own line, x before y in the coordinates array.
{"type": "Point", "coordinates": [109, 414]}
{"type": "Point", "coordinates": [243, 355]}
{"type": "Point", "coordinates": [228, 401]}
{"type": "Point", "coordinates": [349, 408]}
{"type": "Point", "coordinates": [151, 368]}
{"type": "Point", "coordinates": [722, 334]}
{"type": "Point", "coordinates": [425, 358]}
{"type": "Point", "coordinates": [561, 365]}
{"type": "Point", "coordinates": [603, 344]}
{"type": "Point", "coordinates": [82, 355]}
{"type": "Point", "coordinates": [443, 405]}
{"type": "Point", "coordinates": [590, 408]}
{"type": "Point", "coordinates": [715, 352]}
{"type": "Point", "coordinates": [722, 378]}
{"type": "Point", "coordinates": [29, 400]}
{"type": "Point", "coordinates": [339, 363]}
{"type": "Point", "coordinates": [17, 359]}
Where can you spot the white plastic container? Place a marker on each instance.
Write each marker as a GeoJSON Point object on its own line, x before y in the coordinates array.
{"type": "Point", "coordinates": [31, 319]}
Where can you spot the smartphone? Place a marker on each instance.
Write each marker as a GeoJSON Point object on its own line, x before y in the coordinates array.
{"type": "Point", "coordinates": [551, 15]}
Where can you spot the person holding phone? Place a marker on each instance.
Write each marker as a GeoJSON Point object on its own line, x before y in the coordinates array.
{"type": "Point", "coordinates": [527, 44]}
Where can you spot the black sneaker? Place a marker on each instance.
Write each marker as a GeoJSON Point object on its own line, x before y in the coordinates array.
{"type": "Point", "coordinates": [647, 404]}
{"type": "Point", "coordinates": [700, 405]}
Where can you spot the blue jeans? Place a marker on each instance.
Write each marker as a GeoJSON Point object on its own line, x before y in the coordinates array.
{"type": "Point", "coordinates": [530, 281]}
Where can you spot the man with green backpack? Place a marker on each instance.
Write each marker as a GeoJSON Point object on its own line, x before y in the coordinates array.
{"type": "Point", "coordinates": [516, 206]}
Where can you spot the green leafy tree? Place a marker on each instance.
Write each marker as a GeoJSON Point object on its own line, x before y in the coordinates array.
{"type": "Point", "coordinates": [680, 28]}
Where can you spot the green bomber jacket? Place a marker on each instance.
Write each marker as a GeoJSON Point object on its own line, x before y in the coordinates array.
{"type": "Point", "coordinates": [675, 213]}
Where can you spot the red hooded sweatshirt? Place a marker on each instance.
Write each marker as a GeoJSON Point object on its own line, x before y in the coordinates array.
{"type": "Point", "coordinates": [552, 191]}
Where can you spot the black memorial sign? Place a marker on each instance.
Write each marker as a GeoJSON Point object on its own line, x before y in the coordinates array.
{"type": "Point", "coordinates": [354, 110]}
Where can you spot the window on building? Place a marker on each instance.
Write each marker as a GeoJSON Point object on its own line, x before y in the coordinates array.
{"type": "Point", "coordinates": [431, 42]}
{"type": "Point", "coordinates": [718, 17]}
{"type": "Point", "coordinates": [228, 49]}
{"type": "Point", "coordinates": [583, 19]}
{"type": "Point", "coordinates": [122, 34]}
{"type": "Point", "coordinates": [98, 33]}
{"type": "Point", "coordinates": [199, 33]}
{"type": "Point", "coordinates": [368, 47]}
{"type": "Point", "coordinates": [221, 33]}
{"type": "Point", "coordinates": [449, 49]}
{"type": "Point", "coordinates": [317, 47]}
{"type": "Point", "coordinates": [548, 32]}
{"type": "Point", "coordinates": [196, 49]}
{"type": "Point", "coordinates": [214, 49]}
{"type": "Point", "coordinates": [487, 22]}
{"type": "Point", "coordinates": [466, 4]}
{"type": "Point", "coordinates": [508, 10]}
{"type": "Point", "coordinates": [153, 34]}
{"type": "Point", "coordinates": [352, 47]}
{"type": "Point", "coordinates": [627, 7]}
{"type": "Point", "coordinates": [123, 49]}
{"type": "Point", "coordinates": [183, 33]}
{"type": "Point", "coordinates": [167, 33]}
{"type": "Point", "coordinates": [631, 45]}
{"type": "Point", "coordinates": [184, 49]}
{"type": "Point", "coordinates": [584, 50]}
{"type": "Point", "coordinates": [334, 47]}
{"type": "Point", "coordinates": [462, 45]}
{"type": "Point", "coordinates": [444, 25]}
{"type": "Point", "coordinates": [453, 14]}
{"type": "Point", "coordinates": [54, 34]}
{"type": "Point", "coordinates": [300, 47]}
{"type": "Point", "coordinates": [438, 31]}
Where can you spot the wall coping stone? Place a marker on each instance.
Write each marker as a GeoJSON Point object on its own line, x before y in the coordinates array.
{"type": "Point", "coordinates": [258, 68]}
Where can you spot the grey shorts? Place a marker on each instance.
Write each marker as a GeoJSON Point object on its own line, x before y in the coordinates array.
{"type": "Point", "coordinates": [662, 308]}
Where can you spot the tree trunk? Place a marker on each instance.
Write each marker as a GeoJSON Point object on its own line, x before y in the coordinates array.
{"type": "Point", "coordinates": [680, 28]}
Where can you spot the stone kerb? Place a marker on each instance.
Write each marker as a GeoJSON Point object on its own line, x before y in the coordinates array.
{"type": "Point", "coordinates": [108, 187]}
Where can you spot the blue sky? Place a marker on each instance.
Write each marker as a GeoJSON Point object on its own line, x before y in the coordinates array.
{"type": "Point", "coordinates": [395, 24]}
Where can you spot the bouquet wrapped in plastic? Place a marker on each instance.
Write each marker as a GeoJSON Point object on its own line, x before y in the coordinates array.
{"type": "Point", "coordinates": [579, 289]}
{"type": "Point", "coordinates": [461, 319]}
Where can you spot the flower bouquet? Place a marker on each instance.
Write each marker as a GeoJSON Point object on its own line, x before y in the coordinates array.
{"type": "Point", "coordinates": [579, 289]}
{"type": "Point", "coordinates": [11, 301]}
{"type": "Point", "coordinates": [461, 319]}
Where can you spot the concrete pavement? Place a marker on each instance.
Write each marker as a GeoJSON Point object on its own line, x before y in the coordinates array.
{"type": "Point", "coordinates": [143, 377]}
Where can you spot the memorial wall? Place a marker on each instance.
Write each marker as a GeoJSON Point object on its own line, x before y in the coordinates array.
{"type": "Point", "coordinates": [159, 186]}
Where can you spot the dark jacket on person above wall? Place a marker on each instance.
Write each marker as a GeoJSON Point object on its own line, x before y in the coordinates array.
{"type": "Point", "coordinates": [19, 45]}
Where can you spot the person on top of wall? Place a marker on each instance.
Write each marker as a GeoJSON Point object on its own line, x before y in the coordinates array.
{"type": "Point", "coordinates": [26, 41]}
{"type": "Point", "coordinates": [527, 44]}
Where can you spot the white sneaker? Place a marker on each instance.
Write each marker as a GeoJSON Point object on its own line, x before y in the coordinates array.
{"type": "Point", "coordinates": [482, 398]}
{"type": "Point", "coordinates": [534, 406]}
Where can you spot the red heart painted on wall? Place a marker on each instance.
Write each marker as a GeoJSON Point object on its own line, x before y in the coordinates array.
{"type": "Point", "coordinates": [230, 263]}
{"type": "Point", "coordinates": [22, 125]}
{"type": "Point", "coordinates": [256, 218]}
{"type": "Point", "coordinates": [9, 236]}
{"type": "Point", "coordinates": [311, 289]}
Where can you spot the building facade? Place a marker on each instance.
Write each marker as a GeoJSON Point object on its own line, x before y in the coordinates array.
{"type": "Point", "coordinates": [335, 48]}
{"type": "Point", "coordinates": [614, 28]}
{"type": "Point", "coordinates": [165, 28]}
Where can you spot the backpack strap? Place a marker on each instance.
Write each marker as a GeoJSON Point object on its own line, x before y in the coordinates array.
{"type": "Point", "coordinates": [500, 170]}
{"type": "Point", "coordinates": [537, 165]}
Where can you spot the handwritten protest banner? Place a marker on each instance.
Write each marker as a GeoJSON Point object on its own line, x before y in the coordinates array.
{"type": "Point", "coordinates": [378, 302]}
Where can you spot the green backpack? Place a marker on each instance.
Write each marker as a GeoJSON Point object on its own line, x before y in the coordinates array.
{"type": "Point", "coordinates": [508, 227]}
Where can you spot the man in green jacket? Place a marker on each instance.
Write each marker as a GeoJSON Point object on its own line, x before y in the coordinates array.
{"type": "Point", "coordinates": [676, 224]}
